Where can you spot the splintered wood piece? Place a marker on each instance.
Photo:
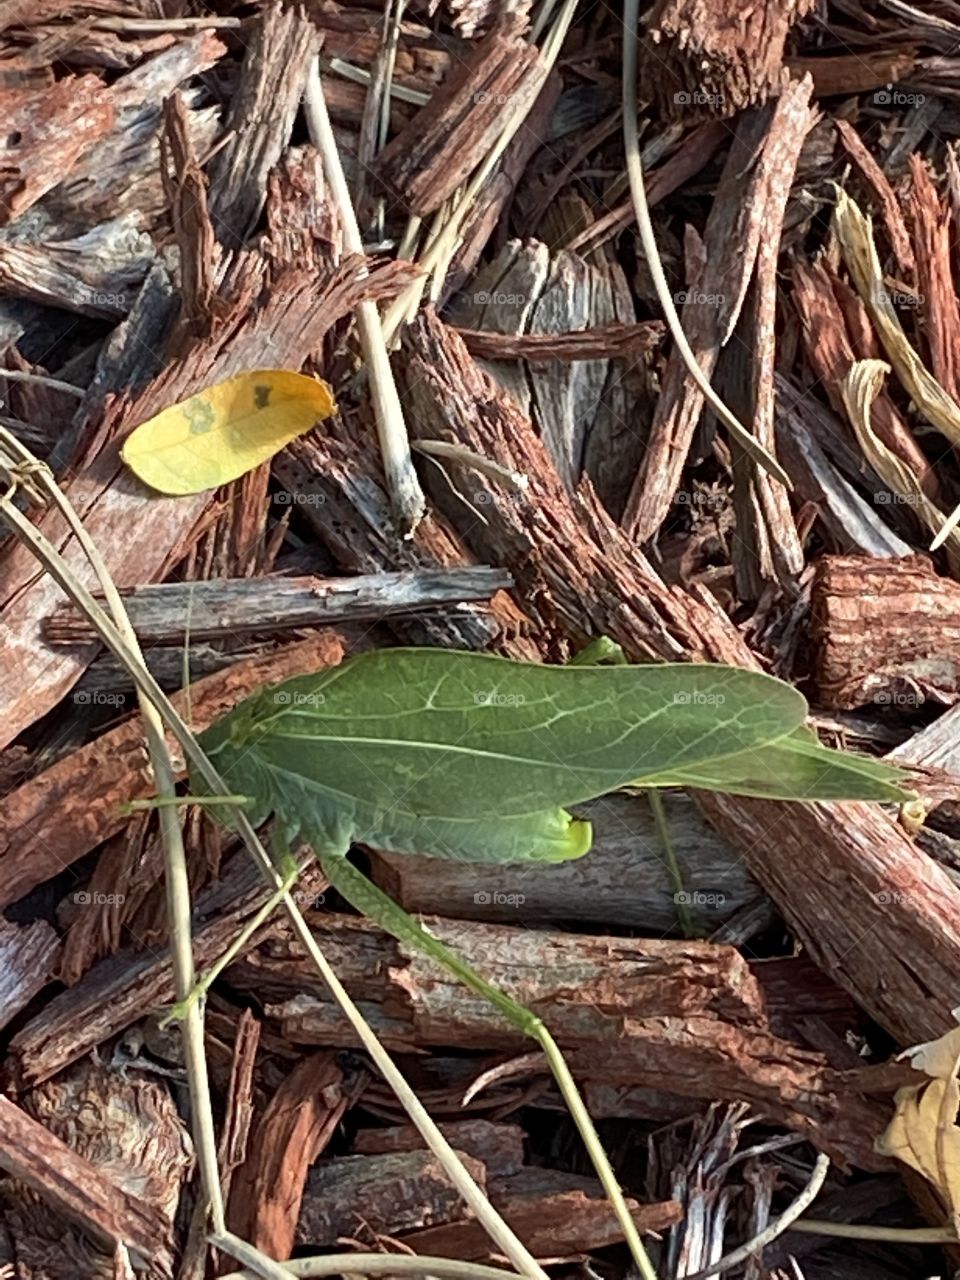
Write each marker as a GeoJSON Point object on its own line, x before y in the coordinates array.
{"type": "Point", "coordinates": [98, 274]}
{"type": "Point", "coordinates": [29, 957]}
{"type": "Point", "coordinates": [624, 881]}
{"type": "Point", "coordinates": [873, 910]}
{"type": "Point", "coordinates": [470, 18]}
{"type": "Point", "coordinates": [124, 988]}
{"type": "Point", "coordinates": [498, 1146]}
{"type": "Point", "coordinates": [630, 1013]}
{"type": "Point", "coordinates": [120, 174]}
{"type": "Point", "coordinates": [263, 107]}
{"type": "Point", "coordinates": [48, 130]}
{"type": "Point", "coordinates": [293, 1129]}
{"type": "Point", "coordinates": [129, 1126]}
{"type": "Point", "coordinates": [239, 1104]}
{"type": "Point", "coordinates": [385, 1195]}
{"type": "Point", "coordinates": [882, 191]}
{"type": "Point", "coordinates": [937, 296]}
{"type": "Point", "coordinates": [777, 553]}
{"type": "Point", "coordinates": [721, 59]}
{"type": "Point", "coordinates": [493, 199]}
{"type": "Point", "coordinates": [186, 191]}
{"type": "Point", "coordinates": [602, 341]}
{"type": "Point", "coordinates": [75, 1187]}
{"type": "Point", "coordinates": [555, 1214]}
{"type": "Point", "coordinates": [849, 74]}
{"type": "Point", "coordinates": [584, 985]}
{"type": "Point", "coordinates": [590, 985]}
{"type": "Point", "coordinates": [886, 632]}
{"type": "Point", "coordinates": [502, 294]}
{"type": "Point", "coordinates": [164, 613]}
{"type": "Point", "coordinates": [897, 956]}
{"type": "Point", "coordinates": [64, 812]}
{"type": "Point", "coordinates": [569, 398]}
{"type": "Point", "coordinates": [450, 137]}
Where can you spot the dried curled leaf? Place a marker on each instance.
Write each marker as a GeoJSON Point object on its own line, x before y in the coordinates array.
{"type": "Point", "coordinates": [923, 1132]}
{"type": "Point", "coordinates": [225, 431]}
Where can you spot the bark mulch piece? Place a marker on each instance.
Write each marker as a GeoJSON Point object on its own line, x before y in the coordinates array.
{"type": "Point", "coordinates": [165, 224]}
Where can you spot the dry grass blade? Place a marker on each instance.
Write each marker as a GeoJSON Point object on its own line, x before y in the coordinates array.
{"type": "Point", "coordinates": [855, 234]}
{"type": "Point", "coordinates": [859, 389]}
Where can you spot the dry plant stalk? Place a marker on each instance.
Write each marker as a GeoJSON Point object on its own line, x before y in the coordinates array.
{"type": "Point", "coordinates": [402, 482]}
{"type": "Point", "coordinates": [20, 465]}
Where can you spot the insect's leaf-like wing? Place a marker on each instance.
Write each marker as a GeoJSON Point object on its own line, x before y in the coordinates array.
{"type": "Point", "coordinates": [796, 767]}
{"type": "Point", "coordinates": [432, 733]}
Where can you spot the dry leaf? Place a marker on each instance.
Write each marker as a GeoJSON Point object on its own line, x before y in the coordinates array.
{"type": "Point", "coordinates": [923, 1132]}
{"type": "Point", "coordinates": [227, 430]}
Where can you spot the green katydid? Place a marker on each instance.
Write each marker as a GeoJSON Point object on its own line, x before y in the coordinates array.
{"type": "Point", "coordinates": [475, 757]}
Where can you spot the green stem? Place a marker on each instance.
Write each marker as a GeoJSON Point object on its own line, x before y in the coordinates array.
{"type": "Point", "coordinates": [206, 980]}
{"type": "Point", "coordinates": [673, 866]}
{"type": "Point", "coordinates": [128, 807]}
{"type": "Point", "coordinates": [367, 898]}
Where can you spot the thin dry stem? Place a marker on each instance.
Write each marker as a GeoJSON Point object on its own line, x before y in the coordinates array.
{"type": "Point", "coordinates": [631, 142]}
{"type": "Point", "coordinates": [498, 1230]}
{"type": "Point", "coordinates": [403, 485]}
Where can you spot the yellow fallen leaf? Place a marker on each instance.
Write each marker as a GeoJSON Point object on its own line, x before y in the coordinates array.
{"type": "Point", "coordinates": [923, 1135]}
{"type": "Point", "coordinates": [936, 1058]}
{"type": "Point", "coordinates": [923, 1132]}
{"type": "Point", "coordinates": [225, 431]}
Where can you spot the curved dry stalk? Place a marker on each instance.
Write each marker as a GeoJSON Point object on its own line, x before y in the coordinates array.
{"type": "Point", "coordinates": [776, 1228]}
{"type": "Point", "coordinates": [387, 1264]}
{"type": "Point", "coordinates": [631, 143]}
{"type": "Point", "coordinates": [498, 1230]}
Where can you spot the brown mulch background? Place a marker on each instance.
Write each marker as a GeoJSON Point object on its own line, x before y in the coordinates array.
{"type": "Point", "coordinates": [165, 223]}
